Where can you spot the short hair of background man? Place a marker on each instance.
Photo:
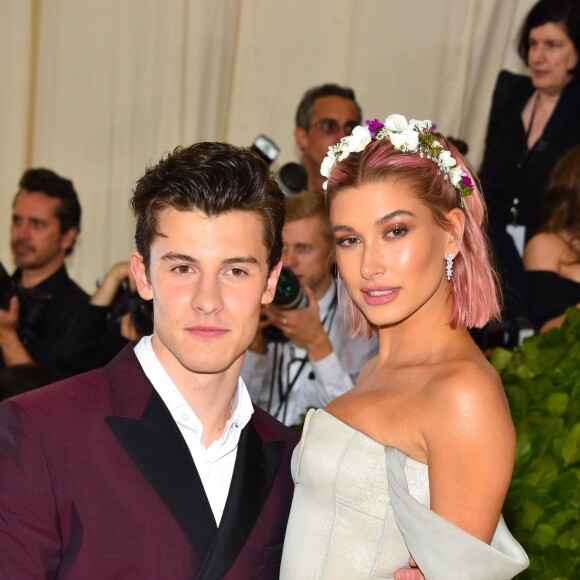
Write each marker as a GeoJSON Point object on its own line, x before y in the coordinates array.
{"type": "Point", "coordinates": [306, 107]}
{"type": "Point", "coordinates": [309, 204]}
{"type": "Point", "coordinates": [213, 178]}
{"type": "Point", "coordinates": [53, 185]}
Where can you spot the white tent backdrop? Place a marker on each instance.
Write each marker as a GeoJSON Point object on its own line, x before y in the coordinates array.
{"type": "Point", "coordinates": [98, 89]}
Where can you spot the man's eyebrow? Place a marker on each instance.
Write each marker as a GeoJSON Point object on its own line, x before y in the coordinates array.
{"type": "Point", "coordinates": [176, 257]}
{"type": "Point", "coordinates": [241, 260]}
{"type": "Point", "coordinates": [382, 220]}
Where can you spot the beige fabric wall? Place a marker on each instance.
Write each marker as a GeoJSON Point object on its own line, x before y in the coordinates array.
{"type": "Point", "coordinates": [98, 89]}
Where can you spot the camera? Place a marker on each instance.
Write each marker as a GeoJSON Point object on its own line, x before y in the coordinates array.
{"type": "Point", "coordinates": [291, 177]}
{"type": "Point", "coordinates": [32, 322]}
{"type": "Point", "coordinates": [289, 295]}
{"type": "Point", "coordinates": [7, 289]}
{"type": "Point", "coordinates": [140, 311]}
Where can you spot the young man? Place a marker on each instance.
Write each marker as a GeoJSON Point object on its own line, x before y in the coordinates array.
{"type": "Point", "coordinates": [320, 358]}
{"type": "Point", "coordinates": [325, 114]}
{"type": "Point", "coordinates": [158, 465]}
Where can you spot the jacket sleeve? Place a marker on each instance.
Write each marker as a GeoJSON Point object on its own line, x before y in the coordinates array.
{"type": "Point", "coordinates": [30, 543]}
{"type": "Point", "coordinates": [257, 375]}
{"type": "Point", "coordinates": [338, 372]}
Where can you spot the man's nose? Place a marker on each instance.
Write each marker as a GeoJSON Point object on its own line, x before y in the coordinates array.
{"type": "Point", "coordinates": [207, 295]}
{"type": "Point", "coordinates": [21, 230]}
{"type": "Point", "coordinates": [289, 258]}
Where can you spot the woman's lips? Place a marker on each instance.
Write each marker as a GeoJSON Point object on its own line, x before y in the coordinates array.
{"type": "Point", "coordinates": [379, 296]}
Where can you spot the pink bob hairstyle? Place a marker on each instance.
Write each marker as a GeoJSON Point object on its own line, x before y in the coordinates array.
{"type": "Point", "coordinates": [474, 286]}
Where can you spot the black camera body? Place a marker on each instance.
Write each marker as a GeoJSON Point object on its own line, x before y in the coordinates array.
{"type": "Point", "coordinates": [140, 311]}
{"type": "Point", "coordinates": [7, 289]}
{"type": "Point", "coordinates": [289, 295]}
{"type": "Point", "coordinates": [33, 304]}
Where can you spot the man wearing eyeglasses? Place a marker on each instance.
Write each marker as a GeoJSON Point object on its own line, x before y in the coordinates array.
{"type": "Point", "coordinates": [325, 114]}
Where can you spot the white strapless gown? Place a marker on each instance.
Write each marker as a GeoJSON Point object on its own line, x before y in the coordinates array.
{"type": "Point", "coordinates": [359, 508]}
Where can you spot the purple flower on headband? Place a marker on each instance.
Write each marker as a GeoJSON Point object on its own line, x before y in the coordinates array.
{"type": "Point", "coordinates": [466, 181]}
{"type": "Point", "coordinates": [374, 126]}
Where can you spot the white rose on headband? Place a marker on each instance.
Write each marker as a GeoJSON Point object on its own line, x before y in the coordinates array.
{"type": "Point", "coordinates": [445, 159]}
{"type": "Point", "coordinates": [395, 123]}
{"type": "Point", "coordinates": [327, 166]}
{"type": "Point", "coordinates": [359, 139]}
{"type": "Point", "coordinates": [421, 125]}
{"type": "Point", "coordinates": [405, 141]}
{"type": "Point", "coordinates": [455, 175]}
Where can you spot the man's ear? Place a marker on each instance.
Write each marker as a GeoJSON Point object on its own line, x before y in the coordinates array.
{"type": "Point", "coordinates": [301, 138]}
{"type": "Point", "coordinates": [271, 284]}
{"type": "Point", "coordinates": [456, 218]}
{"type": "Point", "coordinates": [141, 278]}
{"type": "Point", "coordinates": [68, 238]}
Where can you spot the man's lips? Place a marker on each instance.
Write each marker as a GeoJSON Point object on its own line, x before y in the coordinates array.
{"type": "Point", "coordinates": [203, 331]}
{"type": "Point", "coordinates": [21, 248]}
{"type": "Point", "coordinates": [379, 295]}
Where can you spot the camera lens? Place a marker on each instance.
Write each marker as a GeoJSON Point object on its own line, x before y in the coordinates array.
{"type": "Point", "coordinates": [289, 293]}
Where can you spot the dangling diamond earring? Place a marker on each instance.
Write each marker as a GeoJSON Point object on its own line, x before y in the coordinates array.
{"type": "Point", "coordinates": [449, 265]}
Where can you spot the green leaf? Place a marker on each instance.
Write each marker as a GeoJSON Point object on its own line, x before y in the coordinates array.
{"type": "Point", "coordinates": [571, 447]}
{"type": "Point", "coordinates": [544, 535]}
{"type": "Point", "coordinates": [557, 403]}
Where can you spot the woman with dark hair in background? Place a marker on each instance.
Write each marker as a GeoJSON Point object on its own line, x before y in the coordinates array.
{"type": "Point", "coordinates": [534, 120]}
{"type": "Point", "coordinates": [552, 256]}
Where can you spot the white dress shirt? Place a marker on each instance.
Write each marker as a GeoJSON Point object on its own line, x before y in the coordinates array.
{"type": "Point", "coordinates": [215, 464]}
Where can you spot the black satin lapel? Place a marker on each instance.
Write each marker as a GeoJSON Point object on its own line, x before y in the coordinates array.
{"type": "Point", "coordinates": [157, 447]}
{"type": "Point", "coordinates": [256, 467]}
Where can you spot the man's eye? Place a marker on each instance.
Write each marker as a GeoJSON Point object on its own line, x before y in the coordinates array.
{"type": "Point", "coordinates": [182, 269]}
{"type": "Point", "coordinates": [238, 272]}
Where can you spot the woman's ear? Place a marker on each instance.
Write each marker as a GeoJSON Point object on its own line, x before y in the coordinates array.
{"type": "Point", "coordinates": [456, 218]}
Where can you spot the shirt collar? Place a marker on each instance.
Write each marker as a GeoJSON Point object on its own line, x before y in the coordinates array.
{"type": "Point", "coordinates": [327, 299]}
{"type": "Point", "coordinates": [50, 285]}
{"type": "Point", "coordinates": [176, 403]}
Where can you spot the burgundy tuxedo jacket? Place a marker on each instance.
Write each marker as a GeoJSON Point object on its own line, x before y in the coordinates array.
{"type": "Point", "coordinates": [96, 482]}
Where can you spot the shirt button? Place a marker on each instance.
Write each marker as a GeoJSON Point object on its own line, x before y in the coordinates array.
{"type": "Point", "coordinates": [184, 416]}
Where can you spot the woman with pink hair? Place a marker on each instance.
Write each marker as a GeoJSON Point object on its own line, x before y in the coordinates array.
{"type": "Point", "coordinates": [414, 463]}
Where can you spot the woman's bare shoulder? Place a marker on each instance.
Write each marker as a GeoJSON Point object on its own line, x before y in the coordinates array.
{"type": "Point", "coordinates": [543, 252]}
{"type": "Point", "coordinates": [466, 390]}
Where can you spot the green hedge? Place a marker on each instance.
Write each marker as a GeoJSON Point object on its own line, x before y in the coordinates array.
{"type": "Point", "coordinates": [542, 382]}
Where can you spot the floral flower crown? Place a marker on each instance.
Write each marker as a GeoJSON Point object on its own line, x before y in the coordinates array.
{"type": "Point", "coordinates": [412, 137]}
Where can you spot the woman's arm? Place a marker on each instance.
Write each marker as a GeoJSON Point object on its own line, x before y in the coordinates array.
{"type": "Point", "coordinates": [470, 442]}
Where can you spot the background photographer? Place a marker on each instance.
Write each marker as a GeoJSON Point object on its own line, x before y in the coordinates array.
{"type": "Point", "coordinates": [319, 359]}
{"type": "Point", "coordinates": [115, 308]}
{"type": "Point", "coordinates": [43, 319]}
{"type": "Point", "coordinates": [325, 114]}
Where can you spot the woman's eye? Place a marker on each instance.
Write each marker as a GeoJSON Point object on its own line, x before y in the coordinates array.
{"type": "Point", "coordinates": [345, 242]}
{"type": "Point", "coordinates": [397, 232]}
